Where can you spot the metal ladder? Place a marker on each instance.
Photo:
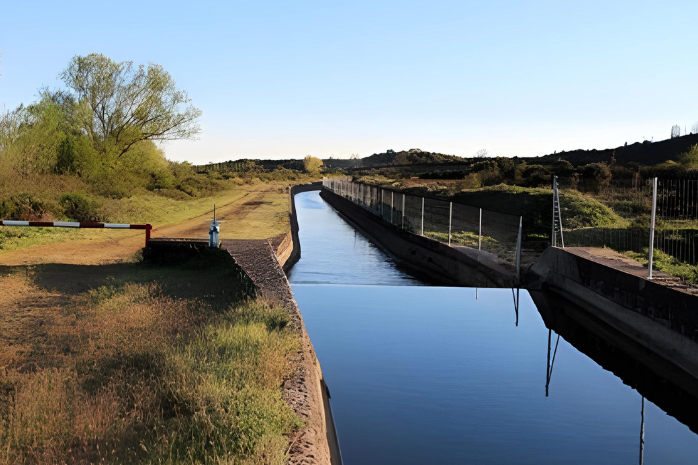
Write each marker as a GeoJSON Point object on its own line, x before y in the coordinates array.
{"type": "Point", "coordinates": [557, 216]}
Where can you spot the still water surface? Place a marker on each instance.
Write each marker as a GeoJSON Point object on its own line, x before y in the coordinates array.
{"type": "Point", "coordinates": [424, 374]}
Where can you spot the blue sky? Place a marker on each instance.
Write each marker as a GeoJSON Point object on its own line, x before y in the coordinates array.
{"type": "Point", "coordinates": [280, 79]}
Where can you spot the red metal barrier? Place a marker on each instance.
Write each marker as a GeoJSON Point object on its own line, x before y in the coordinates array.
{"type": "Point", "coordinates": [80, 225]}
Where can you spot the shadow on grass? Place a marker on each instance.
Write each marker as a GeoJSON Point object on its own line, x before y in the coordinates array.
{"type": "Point", "coordinates": [211, 276]}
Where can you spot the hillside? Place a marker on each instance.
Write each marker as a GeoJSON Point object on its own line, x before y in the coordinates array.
{"type": "Point", "coordinates": [391, 157]}
{"type": "Point", "coordinates": [642, 153]}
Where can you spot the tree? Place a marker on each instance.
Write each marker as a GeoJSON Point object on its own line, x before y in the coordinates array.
{"type": "Point", "coordinates": [675, 131]}
{"type": "Point", "coordinates": [312, 164]}
{"type": "Point", "coordinates": [482, 153]}
{"type": "Point", "coordinates": [118, 105]}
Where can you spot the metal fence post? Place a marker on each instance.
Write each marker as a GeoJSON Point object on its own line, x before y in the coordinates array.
{"type": "Point", "coordinates": [403, 211]}
{"type": "Point", "coordinates": [422, 216]}
{"type": "Point", "coordinates": [518, 251]}
{"type": "Point", "coordinates": [382, 202]}
{"type": "Point", "coordinates": [392, 205]}
{"type": "Point", "coordinates": [479, 233]}
{"type": "Point", "coordinates": [654, 215]}
{"type": "Point", "coordinates": [553, 237]}
{"type": "Point", "coordinates": [450, 218]}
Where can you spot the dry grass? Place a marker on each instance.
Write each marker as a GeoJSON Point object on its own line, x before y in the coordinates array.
{"type": "Point", "coordinates": [142, 369]}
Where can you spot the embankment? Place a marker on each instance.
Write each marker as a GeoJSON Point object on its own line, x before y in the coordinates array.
{"type": "Point", "coordinates": [264, 262]}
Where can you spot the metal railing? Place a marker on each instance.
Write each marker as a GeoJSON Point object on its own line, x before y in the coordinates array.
{"type": "Point", "coordinates": [452, 223]}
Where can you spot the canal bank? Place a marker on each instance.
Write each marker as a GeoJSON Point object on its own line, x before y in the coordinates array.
{"type": "Point", "coordinates": [661, 318]}
{"type": "Point", "coordinates": [264, 263]}
{"type": "Point", "coordinates": [427, 374]}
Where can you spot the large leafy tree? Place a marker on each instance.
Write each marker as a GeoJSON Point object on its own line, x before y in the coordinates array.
{"type": "Point", "coordinates": [312, 164]}
{"type": "Point", "coordinates": [117, 105]}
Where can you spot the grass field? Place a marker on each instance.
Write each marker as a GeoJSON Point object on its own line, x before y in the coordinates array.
{"type": "Point", "coordinates": [133, 363]}
{"type": "Point", "coordinates": [107, 359]}
{"type": "Point", "coordinates": [253, 211]}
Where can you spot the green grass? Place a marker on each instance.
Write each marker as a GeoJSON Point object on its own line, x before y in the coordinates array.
{"type": "Point", "coordinates": [668, 264]}
{"type": "Point", "coordinates": [489, 244]}
{"type": "Point", "coordinates": [267, 220]}
{"type": "Point", "coordinates": [145, 364]}
{"type": "Point", "coordinates": [12, 238]}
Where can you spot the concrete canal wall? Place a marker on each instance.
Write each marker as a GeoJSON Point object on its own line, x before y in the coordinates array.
{"type": "Point", "coordinates": [426, 258]}
{"type": "Point", "coordinates": [662, 319]}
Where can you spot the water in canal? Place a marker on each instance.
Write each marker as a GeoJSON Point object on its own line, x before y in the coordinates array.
{"type": "Point", "coordinates": [424, 374]}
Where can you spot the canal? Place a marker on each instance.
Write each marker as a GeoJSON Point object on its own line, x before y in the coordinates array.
{"type": "Point", "coordinates": [423, 374]}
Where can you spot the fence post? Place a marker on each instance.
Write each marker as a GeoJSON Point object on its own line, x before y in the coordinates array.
{"type": "Point", "coordinates": [392, 205]}
{"type": "Point", "coordinates": [553, 237]}
{"type": "Point", "coordinates": [422, 216]}
{"type": "Point", "coordinates": [403, 211]}
{"type": "Point", "coordinates": [479, 233]}
{"type": "Point", "coordinates": [654, 215]}
{"type": "Point", "coordinates": [382, 202]}
{"type": "Point", "coordinates": [450, 217]}
{"type": "Point", "coordinates": [518, 251]}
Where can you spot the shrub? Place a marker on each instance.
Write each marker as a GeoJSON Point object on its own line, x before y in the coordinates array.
{"type": "Point", "coordinates": [599, 172]}
{"type": "Point", "coordinates": [79, 206]}
{"type": "Point", "coordinates": [25, 207]}
{"type": "Point", "coordinates": [690, 159]}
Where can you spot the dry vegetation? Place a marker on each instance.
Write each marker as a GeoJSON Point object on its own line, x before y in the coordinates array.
{"type": "Point", "coordinates": [131, 363]}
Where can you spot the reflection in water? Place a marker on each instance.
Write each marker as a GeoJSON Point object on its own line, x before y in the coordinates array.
{"type": "Point", "coordinates": [663, 384]}
{"type": "Point", "coordinates": [653, 377]}
{"type": "Point", "coordinates": [642, 432]}
{"type": "Point", "coordinates": [423, 374]}
{"type": "Point", "coordinates": [551, 363]}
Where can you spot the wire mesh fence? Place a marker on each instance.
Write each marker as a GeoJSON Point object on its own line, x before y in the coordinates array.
{"type": "Point", "coordinates": [675, 241]}
{"type": "Point", "coordinates": [440, 219]}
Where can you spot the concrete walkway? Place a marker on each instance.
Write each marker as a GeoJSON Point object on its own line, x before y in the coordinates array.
{"type": "Point", "coordinates": [627, 265]}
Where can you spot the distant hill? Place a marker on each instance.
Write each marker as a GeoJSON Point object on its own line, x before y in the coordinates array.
{"type": "Point", "coordinates": [391, 157]}
{"type": "Point", "coordinates": [642, 153]}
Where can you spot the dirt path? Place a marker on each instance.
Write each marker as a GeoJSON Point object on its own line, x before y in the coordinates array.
{"type": "Point", "coordinates": [257, 210]}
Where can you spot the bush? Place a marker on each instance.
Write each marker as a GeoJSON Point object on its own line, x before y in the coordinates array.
{"type": "Point", "coordinates": [690, 158]}
{"type": "Point", "coordinates": [79, 206]}
{"type": "Point", "coordinates": [600, 173]}
{"type": "Point", "coordinates": [26, 207]}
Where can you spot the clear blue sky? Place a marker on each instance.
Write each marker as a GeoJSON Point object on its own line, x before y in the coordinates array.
{"type": "Point", "coordinates": [280, 79]}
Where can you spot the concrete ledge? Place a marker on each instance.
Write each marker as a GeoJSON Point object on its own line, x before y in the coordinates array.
{"type": "Point", "coordinates": [661, 319]}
